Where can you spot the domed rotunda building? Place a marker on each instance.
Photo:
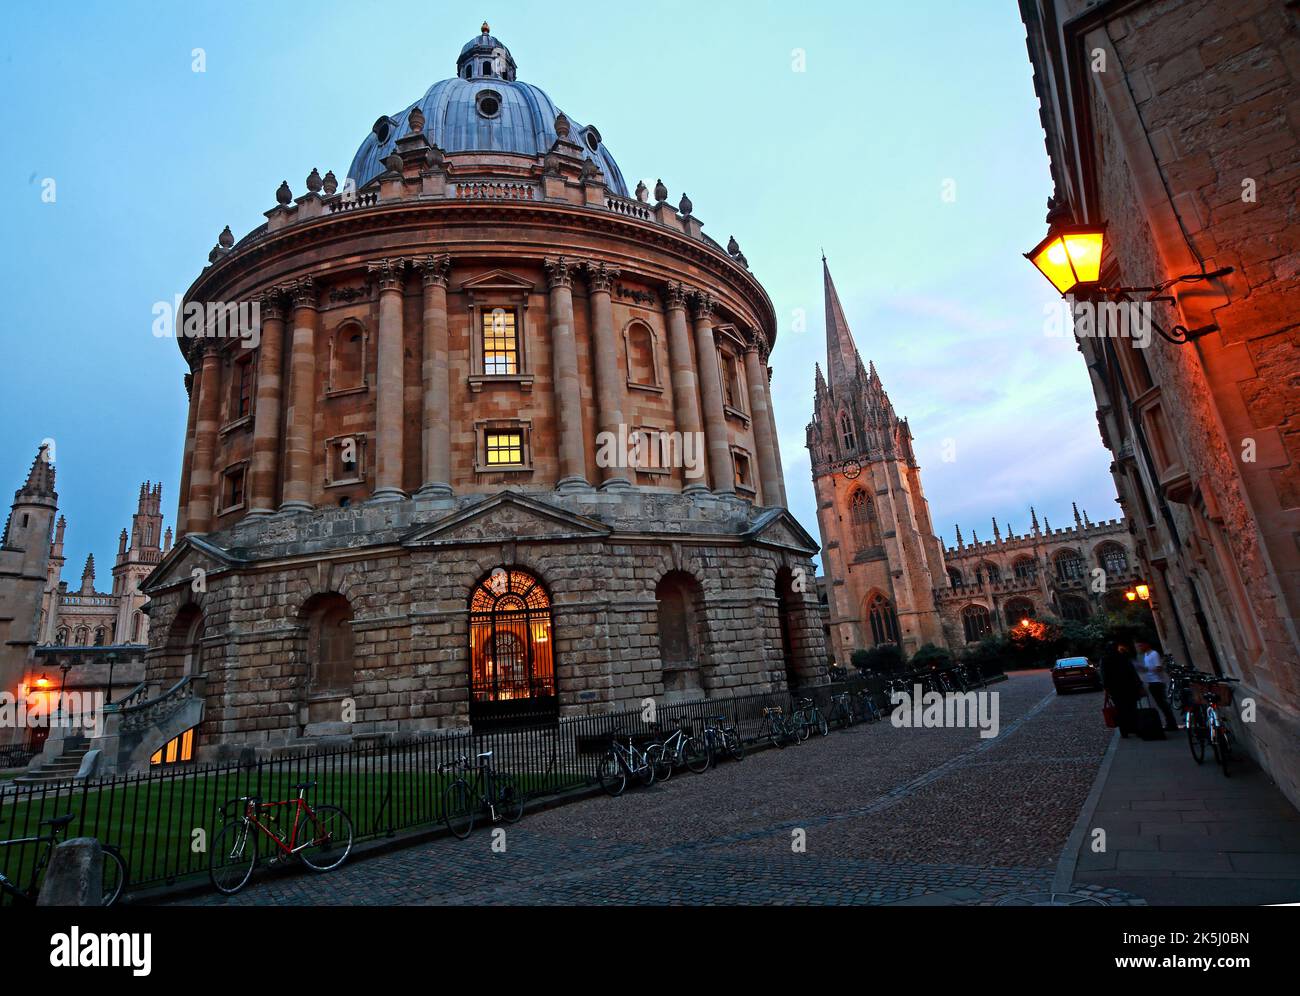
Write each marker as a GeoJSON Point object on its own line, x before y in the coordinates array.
{"type": "Point", "coordinates": [501, 445]}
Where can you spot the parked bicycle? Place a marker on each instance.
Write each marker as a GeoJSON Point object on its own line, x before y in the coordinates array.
{"type": "Point", "coordinates": [865, 706]}
{"type": "Point", "coordinates": [624, 760]}
{"type": "Point", "coordinates": [321, 837]}
{"type": "Point", "coordinates": [722, 741]}
{"type": "Point", "coordinates": [678, 749]}
{"type": "Point", "coordinates": [113, 878]}
{"type": "Point", "coordinates": [777, 728]}
{"type": "Point", "coordinates": [478, 788]}
{"type": "Point", "coordinates": [841, 711]}
{"type": "Point", "coordinates": [1205, 723]}
{"type": "Point", "coordinates": [808, 719]}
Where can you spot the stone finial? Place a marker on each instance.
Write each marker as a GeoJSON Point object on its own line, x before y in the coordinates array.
{"type": "Point", "coordinates": [1087, 523]}
{"type": "Point", "coordinates": [1033, 518]}
{"type": "Point", "coordinates": [1077, 520]}
{"type": "Point", "coordinates": [226, 239]}
{"type": "Point", "coordinates": [393, 163]}
{"type": "Point", "coordinates": [562, 126]}
{"type": "Point", "coordinates": [733, 247]}
{"type": "Point", "coordinates": [997, 533]}
{"type": "Point", "coordinates": [661, 192]}
{"type": "Point", "coordinates": [314, 181]}
{"type": "Point", "coordinates": [960, 542]}
{"type": "Point", "coordinates": [642, 192]}
{"type": "Point", "coordinates": [684, 206]}
{"type": "Point", "coordinates": [283, 194]}
{"type": "Point", "coordinates": [485, 29]}
{"type": "Point", "coordinates": [330, 183]}
{"type": "Point", "coordinates": [415, 121]}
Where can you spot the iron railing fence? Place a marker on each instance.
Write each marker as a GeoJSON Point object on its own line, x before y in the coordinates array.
{"type": "Point", "coordinates": [162, 819]}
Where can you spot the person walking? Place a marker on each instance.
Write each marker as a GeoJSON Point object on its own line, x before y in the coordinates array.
{"type": "Point", "coordinates": [1122, 685]}
{"type": "Point", "coordinates": [1151, 669]}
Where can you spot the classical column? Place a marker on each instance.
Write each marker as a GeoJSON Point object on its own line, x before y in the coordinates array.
{"type": "Point", "coordinates": [721, 470]}
{"type": "Point", "coordinates": [202, 471]}
{"type": "Point", "coordinates": [760, 407]}
{"type": "Point", "coordinates": [436, 442]}
{"type": "Point", "coordinates": [191, 381]}
{"type": "Point", "coordinates": [300, 418]}
{"type": "Point", "coordinates": [389, 409]}
{"type": "Point", "coordinates": [266, 415]}
{"type": "Point", "coordinates": [609, 387]}
{"type": "Point", "coordinates": [681, 374]}
{"type": "Point", "coordinates": [564, 376]}
{"type": "Point", "coordinates": [776, 438]}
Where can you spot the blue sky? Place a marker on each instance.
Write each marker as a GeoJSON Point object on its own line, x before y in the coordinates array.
{"type": "Point", "coordinates": [151, 159]}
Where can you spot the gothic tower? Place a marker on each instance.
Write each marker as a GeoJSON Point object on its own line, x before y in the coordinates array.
{"type": "Point", "coordinates": [148, 545]}
{"type": "Point", "coordinates": [24, 562]}
{"type": "Point", "coordinates": [880, 556]}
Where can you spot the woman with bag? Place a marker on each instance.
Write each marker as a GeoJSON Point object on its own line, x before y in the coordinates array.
{"type": "Point", "coordinates": [1123, 688]}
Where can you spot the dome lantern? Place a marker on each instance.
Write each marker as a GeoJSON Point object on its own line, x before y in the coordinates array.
{"type": "Point", "coordinates": [485, 57]}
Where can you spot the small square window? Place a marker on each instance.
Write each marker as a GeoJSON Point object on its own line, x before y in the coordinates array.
{"type": "Point", "coordinates": [232, 488]}
{"type": "Point", "coordinates": [505, 448]}
{"type": "Point", "coordinates": [742, 470]}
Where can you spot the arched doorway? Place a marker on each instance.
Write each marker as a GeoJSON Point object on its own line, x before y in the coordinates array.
{"type": "Point", "coordinates": [512, 668]}
{"type": "Point", "coordinates": [787, 603]}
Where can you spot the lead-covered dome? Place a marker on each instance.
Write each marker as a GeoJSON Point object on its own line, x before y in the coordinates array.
{"type": "Point", "coordinates": [483, 109]}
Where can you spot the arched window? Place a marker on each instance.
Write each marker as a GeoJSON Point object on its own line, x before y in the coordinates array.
{"type": "Point", "coordinates": [61, 637]}
{"type": "Point", "coordinates": [1113, 559]}
{"type": "Point", "coordinates": [862, 516]}
{"type": "Point", "coordinates": [955, 578]}
{"type": "Point", "coordinates": [137, 628]}
{"type": "Point", "coordinates": [1069, 565]}
{"type": "Point", "coordinates": [1018, 610]}
{"type": "Point", "coordinates": [1074, 608]}
{"type": "Point", "coordinates": [976, 622]}
{"type": "Point", "coordinates": [847, 438]}
{"type": "Point", "coordinates": [347, 358]}
{"type": "Point", "coordinates": [184, 641]}
{"type": "Point", "coordinates": [1025, 569]}
{"type": "Point", "coordinates": [989, 570]}
{"type": "Point", "coordinates": [883, 620]}
{"type": "Point", "coordinates": [510, 638]}
{"type": "Point", "coordinates": [642, 369]}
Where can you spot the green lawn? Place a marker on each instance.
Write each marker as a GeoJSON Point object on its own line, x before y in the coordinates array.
{"type": "Point", "coordinates": [154, 821]}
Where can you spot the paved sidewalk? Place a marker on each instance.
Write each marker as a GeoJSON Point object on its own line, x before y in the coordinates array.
{"type": "Point", "coordinates": [1179, 834]}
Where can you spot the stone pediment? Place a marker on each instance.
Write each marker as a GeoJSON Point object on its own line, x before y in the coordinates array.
{"type": "Point", "coordinates": [187, 555]}
{"type": "Point", "coordinates": [507, 516]}
{"type": "Point", "coordinates": [497, 280]}
{"type": "Point", "coordinates": [779, 528]}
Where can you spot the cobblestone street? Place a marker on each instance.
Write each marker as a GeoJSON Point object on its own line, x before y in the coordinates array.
{"type": "Point", "coordinates": [890, 815]}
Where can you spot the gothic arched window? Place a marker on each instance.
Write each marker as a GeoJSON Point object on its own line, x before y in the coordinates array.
{"type": "Point", "coordinates": [1025, 569]}
{"type": "Point", "coordinates": [955, 578]}
{"type": "Point", "coordinates": [1069, 565]}
{"type": "Point", "coordinates": [862, 516]}
{"type": "Point", "coordinates": [1113, 559]}
{"type": "Point", "coordinates": [883, 620]}
{"type": "Point", "coordinates": [1074, 608]}
{"type": "Point", "coordinates": [976, 622]}
{"type": "Point", "coordinates": [847, 439]}
{"type": "Point", "coordinates": [510, 638]}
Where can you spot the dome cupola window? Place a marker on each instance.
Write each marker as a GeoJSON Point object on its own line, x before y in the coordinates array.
{"type": "Point", "coordinates": [592, 137]}
{"type": "Point", "coordinates": [488, 103]}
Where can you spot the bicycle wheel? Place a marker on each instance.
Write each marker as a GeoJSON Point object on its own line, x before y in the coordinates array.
{"type": "Point", "coordinates": [510, 800]}
{"type": "Point", "coordinates": [459, 807]}
{"type": "Point", "coordinates": [233, 857]}
{"type": "Point", "coordinates": [696, 757]}
{"type": "Point", "coordinates": [734, 745]}
{"type": "Point", "coordinates": [823, 727]}
{"type": "Point", "coordinates": [803, 727]}
{"type": "Point", "coordinates": [661, 759]}
{"type": "Point", "coordinates": [645, 771]}
{"type": "Point", "coordinates": [1223, 748]}
{"type": "Point", "coordinates": [609, 772]}
{"type": "Point", "coordinates": [1196, 739]}
{"type": "Point", "coordinates": [776, 735]}
{"type": "Point", "coordinates": [114, 876]}
{"type": "Point", "coordinates": [331, 840]}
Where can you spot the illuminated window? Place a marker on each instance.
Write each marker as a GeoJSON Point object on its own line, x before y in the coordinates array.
{"type": "Point", "coordinates": [505, 448]}
{"type": "Point", "coordinates": [510, 638]}
{"type": "Point", "coordinates": [177, 750]}
{"type": "Point", "coordinates": [500, 342]}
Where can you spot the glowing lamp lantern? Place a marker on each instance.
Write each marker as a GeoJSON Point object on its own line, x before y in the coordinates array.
{"type": "Point", "coordinates": [1024, 623]}
{"type": "Point", "coordinates": [42, 682]}
{"type": "Point", "coordinates": [1131, 595]}
{"type": "Point", "coordinates": [1070, 256]}
{"type": "Point", "coordinates": [1143, 592]}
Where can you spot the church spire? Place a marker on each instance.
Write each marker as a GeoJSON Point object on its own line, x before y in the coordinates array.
{"type": "Point", "coordinates": [842, 359]}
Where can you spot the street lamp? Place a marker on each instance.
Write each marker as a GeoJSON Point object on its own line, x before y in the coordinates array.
{"type": "Point", "coordinates": [1070, 258]}
{"type": "Point", "coordinates": [108, 694]}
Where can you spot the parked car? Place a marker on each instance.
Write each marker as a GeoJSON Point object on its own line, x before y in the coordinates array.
{"type": "Point", "coordinates": [1075, 672]}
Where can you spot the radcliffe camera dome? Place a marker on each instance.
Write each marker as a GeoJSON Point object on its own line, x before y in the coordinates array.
{"type": "Point", "coordinates": [483, 109]}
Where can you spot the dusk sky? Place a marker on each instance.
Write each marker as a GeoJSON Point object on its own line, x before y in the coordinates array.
{"type": "Point", "coordinates": [895, 105]}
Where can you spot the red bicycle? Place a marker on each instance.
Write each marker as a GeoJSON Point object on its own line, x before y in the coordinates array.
{"type": "Point", "coordinates": [321, 837]}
